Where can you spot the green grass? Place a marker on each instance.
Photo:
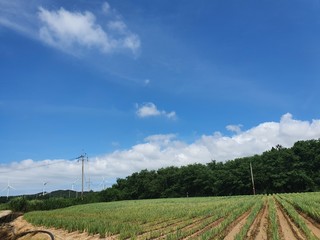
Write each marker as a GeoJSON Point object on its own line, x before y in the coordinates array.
{"type": "Point", "coordinates": [178, 218]}
{"type": "Point", "coordinates": [294, 215]}
{"type": "Point", "coordinates": [273, 230]}
{"type": "Point", "coordinates": [4, 206]}
{"type": "Point", "coordinates": [132, 218]}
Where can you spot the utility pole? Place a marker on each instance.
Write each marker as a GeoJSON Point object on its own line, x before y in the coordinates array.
{"type": "Point", "coordinates": [82, 158]}
{"type": "Point", "coordinates": [253, 189]}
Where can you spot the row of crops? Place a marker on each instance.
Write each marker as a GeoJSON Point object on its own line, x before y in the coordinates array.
{"type": "Point", "coordinates": [183, 218]}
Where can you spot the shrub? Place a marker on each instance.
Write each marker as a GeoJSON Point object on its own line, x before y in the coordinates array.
{"type": "Point", "coordinates": [18, 204]}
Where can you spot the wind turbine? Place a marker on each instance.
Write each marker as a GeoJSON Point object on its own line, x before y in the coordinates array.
{"type": "Point", "coordinates": [72, 187]}
{"type": "Point", "coordinates": [44, 185]}
{"type": "Point", "coordinates": [103, 183]}
{"type": "Point", "coordinates": [8, 189]}
{"type": "Point", "coordinates": [73, 183]}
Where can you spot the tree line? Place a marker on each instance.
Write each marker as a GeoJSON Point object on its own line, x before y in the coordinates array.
{"type": "Point", "coordinates": [279, 170]}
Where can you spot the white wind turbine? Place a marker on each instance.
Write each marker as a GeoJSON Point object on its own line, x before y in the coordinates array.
{"type": "Point", "coordinates": [8, 189]}
{"type": "Point", "coordinates": [43, 189]}
{"type": "Point", "coordinates": [103, 183]}
{"type": "Point", "coordinates": [73, 183]}
{"type": "Point", "coordinates": [72, 187]}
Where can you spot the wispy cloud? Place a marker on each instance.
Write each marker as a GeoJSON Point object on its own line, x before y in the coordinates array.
{"type": "Point", "coordinates": [158, 151]}
{"type": "Point", "coordinates": [234, 128]}
{"type": "Point", "coordinates": [73, 32]}
{"type": "Point", "coordinates": [150, 110]}
{"type": "Point", "coordinates": [19, 16]}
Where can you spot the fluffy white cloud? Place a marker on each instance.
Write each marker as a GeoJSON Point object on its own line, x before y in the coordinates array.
{"type": "Point", "coordinates": [151, 110]}
{"type": "Point", "coordinates": [155, 152]}
{"type": "Point", "coordinates": [70, 30]}
{"type": "Point", "coordinates": [73, 32]}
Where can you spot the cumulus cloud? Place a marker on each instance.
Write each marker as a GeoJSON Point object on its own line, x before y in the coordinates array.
{"type": "Point", "coordinates": [73, 32]}
{"type": "Point", "coordinates": [63, 29]}
{"type": "Point", "coordinates": [151, 110]}
{"type": "Point", "coordinates": [158, 151]}
{"type": "Point", "coordinates": [68, 30]}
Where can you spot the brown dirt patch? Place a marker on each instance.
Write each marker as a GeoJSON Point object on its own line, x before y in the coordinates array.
{"type": "Point", "coordinates": [5, 213]}
{"type": "Point", "coordinates": [259, 228]}
{"type": "Point", "coordinates": [288, 229]}
{"type": "Point", "coordinates": [20, 225]}
{"type": "Point", "coordinates": [311, 224]}
{"type": "Point", "coordinates": [237, 226]}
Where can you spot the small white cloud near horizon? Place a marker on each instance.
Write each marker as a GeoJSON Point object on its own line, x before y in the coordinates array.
{"type": "Point", "coordinates": [150, 110]}
{"type": "Point", "coordinates": [158, 151]}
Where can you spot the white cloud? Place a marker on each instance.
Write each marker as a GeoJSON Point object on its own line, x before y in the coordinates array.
{"type": "Point", "coordinates": [106, 8]}
{"type": "Point", "coordinates": [73, 32]}
{"type": "Point", "coordinates": [117, 25]}
{"type": "Point", "coordinates": [18, 16]}
{"type": "Point", "coordinates": [151, 110]}
{"type": "Point", "coordinates": [64, 29]}
{"type": "Point", "coordinates": [70, 30]}
{"type": "Point", "coordinates": [158, 151]}
{"type": "Point", "coordinates": [234, 128]}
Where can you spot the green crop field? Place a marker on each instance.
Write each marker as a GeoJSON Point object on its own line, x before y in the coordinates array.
{"type": "Point", "coordinates": [190, 218]}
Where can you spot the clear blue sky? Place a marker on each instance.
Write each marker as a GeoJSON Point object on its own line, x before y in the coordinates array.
{"type": "Point", "coordinates": [105, 76]}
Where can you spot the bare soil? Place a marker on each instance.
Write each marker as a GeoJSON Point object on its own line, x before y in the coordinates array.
{"type": "Point", "coordinates": [20, 225]}
{"type": "Point", "coordinates": [311, 224]}
{"type": "Point", "coordinates": [237, 226]}
{"type": "Point", "coordinates": [259, 228]}
{"type": "Point", "coordinates": [288, 229]}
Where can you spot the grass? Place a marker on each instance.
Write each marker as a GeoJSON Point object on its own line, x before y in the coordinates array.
{"type": "Point", "coordinates": [178, 218]}
{"type": "Point", "coordinates": [130, 219]}
{"type": "Point", "coordinates": [273, 222]}
{"type": "Point", "coordinates": [294, 215]}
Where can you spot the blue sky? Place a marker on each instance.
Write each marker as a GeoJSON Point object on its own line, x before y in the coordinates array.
{"type": "Point", "coordinates": [145, 84]}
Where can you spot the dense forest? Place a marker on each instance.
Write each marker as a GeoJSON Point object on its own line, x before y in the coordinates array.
{"type": "Point", "coordinates": [279, 170]}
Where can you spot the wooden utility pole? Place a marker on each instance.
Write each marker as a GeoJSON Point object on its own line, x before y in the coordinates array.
{"type": "Point", "coordinates": [253, 189]}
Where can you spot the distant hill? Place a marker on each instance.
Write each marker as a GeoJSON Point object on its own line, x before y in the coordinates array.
{"type": "Point", "coordinates": [53, 194]}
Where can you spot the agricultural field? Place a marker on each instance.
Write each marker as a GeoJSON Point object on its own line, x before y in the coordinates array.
{"type": "Point", "coordinates": [282, 216]}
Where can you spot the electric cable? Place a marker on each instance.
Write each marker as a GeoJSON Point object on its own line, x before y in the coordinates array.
{"type": "Point", "coordinates": [34, 232]}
